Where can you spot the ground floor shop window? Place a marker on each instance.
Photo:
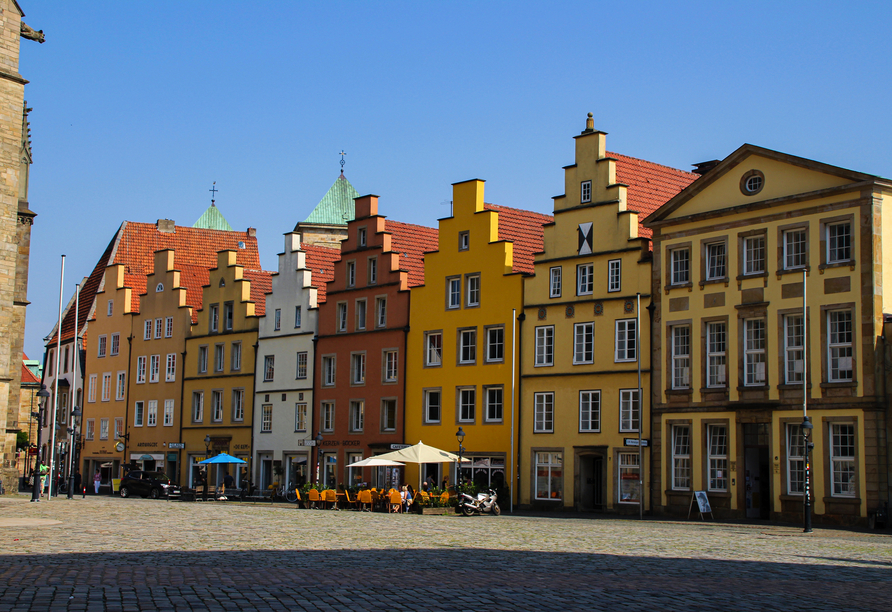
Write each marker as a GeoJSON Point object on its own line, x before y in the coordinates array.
{"type": "Point", "coordinates": [795, 460]}
{"type": "Point", "coordinates": [485, 472]}
{"type": "Point", "coordinates": [329, 469]}
{"type": "Point", "coordinates": [717, 444]}
{"type": "Point", "coordinates": [297, 471]}
{"type": "Point", "coordinates": [681, 457]}
{"type": "Point", "coordinates": [629, 477]}
{"type": "Point", "coordinates": [549, 475]}
{"type": "Point", "coordinates": [842, 459]}
{"type": "Point", "coordinates": [354, 474]}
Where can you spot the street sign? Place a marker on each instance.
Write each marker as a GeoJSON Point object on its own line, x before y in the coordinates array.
{"type": "Point", "coordinates": [399, 446]}
{"type": "Point", "coordinates": [306, 442]}
{"type": "Point", "coordinates": [176, 445]}
{"type": "Point", "coordinates": [634, 442]}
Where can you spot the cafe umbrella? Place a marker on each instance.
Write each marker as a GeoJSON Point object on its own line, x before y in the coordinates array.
{"type": "Point", "coordinates": [419, 453]}
{"type": "Point", "coordinates": [223, 458]}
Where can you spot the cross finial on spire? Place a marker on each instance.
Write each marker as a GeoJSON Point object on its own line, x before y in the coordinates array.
{"type": "Point", "coordinates": [342, 154]}
{"type": "Point", "coordinates": [213, 191]}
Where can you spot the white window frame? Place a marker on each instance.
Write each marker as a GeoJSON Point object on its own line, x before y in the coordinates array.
{"type": "Point", "coordinates": [115, 344]}
{"type": "Point", "coordinates": [329, 370]}
{"type": "Point", "coordinates": [543, 412]}
{"type": "Point", "coordinates": [429, 395]}
{"type": "Point", "coordinates": [235, 357]}
{"type": "Point", "coordinates": [219, 356]}
{"type": "Point", "coordinates": [388, 409]}
{"type": "Point", "coordinates": [103, 429]}
{"type": "Point", "coordinates": [795, 464]}
{"type": "Point", "coordinates": [629, 410]}
{"type": "Point", "coordinates": [238, 405]}
{"type": "Point", "coordinates": [391, 366]}
{"type": "Point", "coordinates": [140, 370]}
{"type": "Point", "coordinates": [101, 346]}
{"type": "Point", "coordinates": [554, 282]}
{"type": "Point", "coordinates": [147, 329]}
{"type": "Point", "coordinates": [361, 311]}
{"type": "Point", "coordinates": [843, 469]}
{"type": "Point", "coordinates": [585, 279]}
{"type": "Point", "coordinates": [494, 403]}
{"type": "Point", "coordinates": [159, 328]}
{"type": "Point", "coordinates": [357, 416]}
{"type": "Point", "coordinates": [680, 266]}
{"type": "Point", "coordinates": [168, 327]}
{"type": "Point", "coordinates": [381, 312]}
{"type": "Point", "coordinates": [269, 368]}
{"type": "Point", "coordinates": [91, 387]}
{"type": "Point", "coordinates": [467, 346]}
{"type": "Point", "coordinates": [614, 275]}
{"type": "Point", "coordinates": [277, 319]}
{"type": "Point", "coordinates": [628, 464]}
{"type": "Point", "coordinates": [373, 270]}
{"type": "Point", "coordinates": [840, 346]}
{"type": "Point", "coordinates": [266, 418]}
{"type": "Point", "coordinates": [138, 417]}
{"type": "Point", "coordinates": [625, 340]}
{"type": "Point", "coordinates": [155, 368]}
{"type": "Point", "coordinates": [106, 386]}
{"type": "Point", "coordinates": [466, 398]}
{"type": "Point", "coordinates": [682, 471]}
{"type": "Point", "coordinates": [168, 412]}
{"type": "Point", "coordinates": [795, 248]}
{"type": "Point", "coordinates": [716, 261]}
{"type": "Point", "coordinates": [839, 253]}
{"type": "Point", "coordinates": [717, 456]}
{"type": "Point", "coordinates": [327, 416]}
{"type": "Point", "coordinates": [453, 292]}
{"type": "Point", "coordinates": [754, 337]}
{"type": "Point", "coordinates": [342, 316]}
{"type": "Point", "coordinates": [433, 349]}
{"type": "Point", "coordinates": [680, 375]}
{"type": "Point", "coordinates": [544, 355]}
{"type": "Point", "coordinates": [214, 318]}
{"type": "Point", "coordinates": [584, 343]}
{"type": "Point", "coordinates": [91, 429]}
{"type": "Point", "coordinates": [549, 465]}
{"type": "Point", "coordinates": [300, 417]}
{"type": "Point", "coordinates": [754, 254]}
{"type": "Point", "coordinates": [585, 192]}
{"type": "Point", "coordinates": [351, 273]}
{"type": "Point", "coordinates": [717, 354]}
{"type": "Point", "coordinates": [170, 372]}
{"type": "Point", "coordinates": [297, 317]}
{"type": "Point", "coordinates": [197, 406]}
{"type": "Point", "coordinates": [793, 349]}
{"type": "Point", "coordinates": [302, 359]}
{"type": "Point", "coordinates": [472, 290]}
{"type": "Point", "coordinates": [152, 414]}
{"type": "Point", "coordinates": [216, 406]}
{"type": "Point", "coordinates": [590, 411]}
{"type": "Point", "coordinates": [202, 359]}
{"type": "Point", "coordinates": [357, 368]}
{"type": "Point", "coordinates": [110, 308]}
{"type": "Point", "coordinates": [464, 240]}
{"type": "Point", "coordinates": [495, 342]}
{"type": "Point", "coordinates": [121, 385]}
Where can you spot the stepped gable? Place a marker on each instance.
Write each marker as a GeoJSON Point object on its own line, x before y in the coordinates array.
{"type": "Point", "coordinates": [524, 229]}
{"type": "Point", "coordinates": [649, 185]}
{"type": "Point", "coordinates": [412, 242]}
{"type": "Point", "coordinates": [320, 262]}
{"type": "Point", "coordinates": [261, 284]}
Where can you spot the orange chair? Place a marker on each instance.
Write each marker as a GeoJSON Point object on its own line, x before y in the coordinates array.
{"type": "Point", "coordinates": [329, 496]}
{"type": "Point", "coordinates": [423, 498]}
{"type": "Point", "coordinates": [396, 502]}
{"type": "Point", "coordinates": [365, 498]}
{"type": "Point", "coordinates": [351, 503]}
{"type": "Point", "coordinates": [313, 498]}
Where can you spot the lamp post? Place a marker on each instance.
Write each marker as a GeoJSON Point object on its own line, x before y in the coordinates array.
{"type": "Point", "coordinates": [72, 448]}
{"type": "Point", "coordinates": [460, 436]}
{"type": "Point", "coordinates": [318, 440]}
{"type": "Point", "coordinates": [806, 497]}
{"type": "Point", "coordinates": [41, 401]}
{"type": "Point", "coordinates": [207, 455]}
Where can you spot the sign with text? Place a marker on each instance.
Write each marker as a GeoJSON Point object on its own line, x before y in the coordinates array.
{"type": "Point", "coordinates": [306, 442]}
{"type": "Point", "coordinates": [634, 442]}
{"type": "Point", "coordinates": [176, 445]}
{"type": "Point", "coordinates": [398, 446]}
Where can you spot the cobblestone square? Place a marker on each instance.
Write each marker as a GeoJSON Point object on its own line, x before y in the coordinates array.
{"type": "Point", "coordinates": [108, 554]}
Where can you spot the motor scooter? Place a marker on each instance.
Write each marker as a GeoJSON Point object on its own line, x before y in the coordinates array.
{"type": "Point", "coordinates": [484, 502]}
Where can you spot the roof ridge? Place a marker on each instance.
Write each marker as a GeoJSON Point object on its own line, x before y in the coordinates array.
{"type": "Point", "coordinates": [650, 163]}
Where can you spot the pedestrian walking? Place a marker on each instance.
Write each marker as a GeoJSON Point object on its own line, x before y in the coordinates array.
{"type": "Point", "coordinates": [77, 481]}
{"type": "Point", "coordinates": [43, 470]}
{"type": "Point", "coordinates": [97, 480]}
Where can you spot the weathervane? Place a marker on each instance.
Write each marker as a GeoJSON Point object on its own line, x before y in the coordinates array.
{"type": "Point", "coordinates": [213, 191]}
{"type": "Point", "coordinates": [342, 154]}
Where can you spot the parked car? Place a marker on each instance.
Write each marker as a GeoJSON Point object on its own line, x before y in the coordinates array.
{"type": "Point", "coordinates": [148, 484]}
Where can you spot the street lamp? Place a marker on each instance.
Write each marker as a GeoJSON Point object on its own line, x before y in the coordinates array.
{"type": "Point", "coordinates": [72, 433]}
{"type": "Point", "coordinates": [318, 440]}
{"type": "Point", "coordinates": [207, 454]}
{"type": "Point", "coordinates": [460, 436]}
{"type": "Point", "coordinates": [806, 498]}
{"type": "Point", "coordinates": [41, 401]}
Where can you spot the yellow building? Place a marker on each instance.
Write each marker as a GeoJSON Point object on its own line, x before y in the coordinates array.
{"type": "Point", "coordinates": [218, 381]}
{"type": "Point", "coordinates": [580, 407]}
{"type": "Point", "coordinates": [460, 345]}
{"type": "Point", "coordinates": [735, 252]}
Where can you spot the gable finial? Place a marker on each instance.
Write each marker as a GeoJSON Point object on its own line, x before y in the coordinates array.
{"type": "Point", "coordinates": [213, 191]}
{"type": "Point", "coordinates": [589, 124]}
{"type": "Point", "coordinates": [342, 154]}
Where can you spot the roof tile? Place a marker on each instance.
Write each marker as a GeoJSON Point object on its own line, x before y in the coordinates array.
{"type": "Point", "coordinates": [524, 229]}
{"type": "Point", "coordinates": [412, 242]}
{"type": "Point", "coordinates": [320, 262]}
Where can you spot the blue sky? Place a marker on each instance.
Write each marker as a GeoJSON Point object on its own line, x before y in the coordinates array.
{"type": "Point", "coordinates": [140, 106]}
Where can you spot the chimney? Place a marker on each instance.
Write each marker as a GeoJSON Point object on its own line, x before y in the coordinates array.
{"type": "Point", "coordinates": [704, 167]}
{"type": "Point", "coordinates": [166, 226]}
{"type": "Point", "coordinates": [252, 233]}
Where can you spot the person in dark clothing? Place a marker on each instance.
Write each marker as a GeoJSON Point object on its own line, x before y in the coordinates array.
{"type": "Point", "coordinates": [77, 481]}
{"type": "Point", "coordinates": [228, 483]}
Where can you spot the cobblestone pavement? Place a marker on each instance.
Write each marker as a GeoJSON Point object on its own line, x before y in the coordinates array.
{"type": "Point", "coordinates": [121, 555]}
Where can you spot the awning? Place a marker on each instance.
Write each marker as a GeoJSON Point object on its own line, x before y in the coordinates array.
{"type": "Point", "coordinates": [146, 457]}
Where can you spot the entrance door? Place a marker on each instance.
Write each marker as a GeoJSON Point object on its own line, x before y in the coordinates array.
{"type": "Point", "coordinates": [757, 474]}
{"type": "Point", "coordinates": [591, 483]}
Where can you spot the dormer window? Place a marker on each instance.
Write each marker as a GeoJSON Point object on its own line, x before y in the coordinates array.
{"type": "Point", "coordinates": [361, 237]}
{"type": "Point", "coordinates": [159, 287]}
{"type": "Point", "coordinates": [464, 241]}
{"type": "Point", "coordinates": [585, 192]}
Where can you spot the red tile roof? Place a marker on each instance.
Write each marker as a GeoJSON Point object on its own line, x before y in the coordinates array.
{"type": "Point", "coordinates": [412, 242]}
{"type": "Point", "coordinates": [28, 377]}
{"type": "Point", "coordinates": [524, 229]}
{"type": "Point", "coordinates": [650, 185]}
{"type": "Point", "coordinates": [261, 284]}
{"type": "Point", "coordinates": [320, 261]}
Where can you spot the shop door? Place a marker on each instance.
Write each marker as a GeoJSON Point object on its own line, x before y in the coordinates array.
{"type": "Point", "coordinates": [757, 475]}
{"type": "Point", "coordinates": [591, 483]}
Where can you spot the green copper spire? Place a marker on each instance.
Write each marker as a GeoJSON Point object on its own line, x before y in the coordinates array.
{"type": "Point", "coordinates": [213, 219]}
{"type": "Point", "coordinates": [336, 207]}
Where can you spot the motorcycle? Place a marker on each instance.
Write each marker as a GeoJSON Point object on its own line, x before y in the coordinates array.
{"type": "Point", "coordinates": [484, 502]}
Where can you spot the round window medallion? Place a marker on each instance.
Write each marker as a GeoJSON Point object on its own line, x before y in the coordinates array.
{"type": "Point", "coordinates": [570, 311]}
{"type": "Point", "coordinates": [599, 308]}
{"type": "Point", "coordinates": [752, 182]}
{"type": "Point", "coordinates": [628, 306]}
{"type": "Point", "coordinates": [542, 313]}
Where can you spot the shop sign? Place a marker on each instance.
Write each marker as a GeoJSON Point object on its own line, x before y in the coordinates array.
{"type": "Point", "coordinates": [634, 442]}
{"type": "Point", "coordinates": [306, 442]}
{"type": "Point", "coordinates": [176, 445]}
{"type": "Point", "coordinates": [399, 446]}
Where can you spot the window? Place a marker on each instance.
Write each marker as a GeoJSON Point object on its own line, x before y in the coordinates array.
{"type": "Point", "coordinates": [681, 357]}
{"type": "Point", "coordinates": [626, 340]}
{"type": "Point", "coordinates": [110, 310]}
{"type": "Point", "coordinates": [138, 416]}
{"type": "Point", "coordinates": [680, 266]}
{"type": "Point", "coordinates": [296, 317]}
{"type": "Point", "coordinates": [717, 444]}
{"type": "Point", "coordinates": [91, 389]}
{"type": "Point", "coordinates": [629, 478]}
{"type": "Point", "coordinates": [795, 460]}
{"type": "Point", "coordinates": [381, 312]}
{"type": "Point", "coordinates": [159, 328]}
{"type": "Point", "coordinates": [65, 362]}
{"type": "Point", "coordinates": [388, 415]}
{"type": "Point", "coordinates": [300, 417]}
{"type": "Point", "coordinates": [235, 356]}
{"type": "Point", "coordinates": [217, 406]}
{"type": "Point", "coordinates": [614, 274]}
{"type": "Point", "coordinates": [754, 352]}
{"type": "Point", "coordinates": [467, 402]}
{"type": "Point", "coordinates": [301, 365]}
{"type": "Point", "coordinates": [391, 365]}
{"type": "Point", "coordinates": [585, 280]}
{"type": "Point", "coordinates": [197, 406]}
{"type": "Point", "coordinates": [154, 368]}
{"type": "Point", "coordinates": [716, 344]}
{"type": "Point", "coordinates": [433, 349]}
{"type": "Point", "coordinates": [839, 242]}
{"type": "Point", "coordinates": [140, 370]}
{"type": "Point", "coordinates": [554, 282]}
{"type": "Point", "coordinates": [361, 236]}
{"type": "Point", "coordinates": [842, 460]}
{"type": "Point", "coordinates": [464, 241]}
{"type": "Point", "coordinates": [168, 413]}
{"type": "Point", "coordinates": [357, 416]}
{"type": "Point", "coordinates": [171, 372]}
{"type": "Point", "coordinates": [102, 346]}
{"type": "Point", "coordinates": [585, 192]}
{"type": "Point", "coordinates": [106, 387]}
{"type": "Point", "coordinates": [327, 416]}
{"type": "Point", "coordinates": [91, 428]}
{"type": "Point", "coordinates": [328, 371]}
{"type": "Point", "coordinates": [357, 368]}
{"type": "Point", "coordinates": [238, 404]}
{"type": "Point", "coordinates": [121, 387]}
{"type": "Point", "coordinates": [269, 367]}
{"type": "Point", "coordinates": [795, 255]}
{"type": "Point", "coordinates": [681, 457]}
{"type": "Point", "coordinates": [373, 270]}
{"type": "Point", "coordinates": [277, 319]}
{"type": "Point", "coordinates": [168, 327]}
{"type": "Point", "coordinates": [754, 255]}
{"type": "Point", "coordinates": [545, 346]}
{"type": "Point", "coordinates": [360, 314]}
{"type": "Point", "coordinates": [152, 415]}
{"type": "Point", "coordinates": [583, 343]}
{"type": "Point", "coordinates": [793, 351]}
{"type": "Point", "coordinates": [103, 428]}
{"type": "Point", "coordinates": [159, 287]}
{"type": "Point", "coordinates": [119, 427]}
{"type": "Point", "coordinates": [214, 318]}
{"type": "Point", "coordinates": [342, 317]}
{"type": "Point", "coordinates": [218, 357]}
{"type": "Point", "coordinates": [494, 403]}
{"type": "Point", "coordinates": [453, 293]}
{"type": "Point", "coordinates": [543, 413]}
{"type": "Point", "coordinates": [432, 405]}
{"type": "Point", "coordinates": [115, 344]}
{"type": "Point", "coordinates": [202, 359]}
{"type": "Point", "coordinates": [266, 418]}
{"type": "Point", "coordinates": [839, 349]}
{"type": "Point", "coordinates": [549, 476]}
{"type": "Point", "coordinates": [589, 411]}
{"type": "Point", "coordinates": [716, 261]}
{"type": "Point", "coordinates": [467, 345]}
{"type": "Point", "coordinates": [351, 273]}
{"type": "Point", "coordinates": [473, 293]}
{"type": "Point", "coordinates": [147, 329]}
{"type": "Point", "coordinates": [629, 410]}
{"type": "Point", "coordinates": [495, 344]}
